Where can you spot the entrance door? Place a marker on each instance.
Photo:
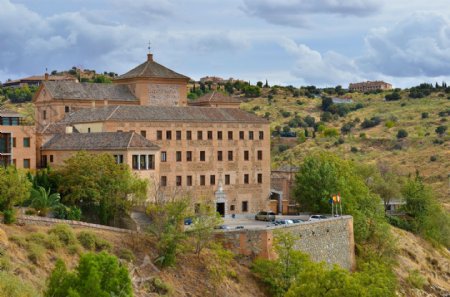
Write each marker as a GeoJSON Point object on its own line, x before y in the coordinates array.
{"type": "Point", "coordinates": [220, 208]}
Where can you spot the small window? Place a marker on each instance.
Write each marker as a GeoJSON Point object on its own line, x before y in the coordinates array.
{"type": "Point", "coordinates": [246, 156]}
{"type": "Point", "coordinates": [151, 162]}
{"type": "Point", "coordinates": [261, 135]}
{"type": "Point", "coordinates": [159, 135]}
{"type": "Point", "coordinates": [26, 163]}
{"type": "Point", "coordinates": [168, 135]}
{"type": "Point", "coordinates": [51, 158]}
{"type": "Point", "coordinates": [135, 162]}
{"type": "Point", "coordinates": [189, 180]}
{"type": "Point", "coordinates": [26, 142]}
{"type": "Point", "coordinates": [189, 135]}
{"type": "Point", "coordinates": [244, 206]}
{"type": "Point", "coordinates": [66, 109]}
{"type": "Point", "coordinates": [178, 156]}
{"type": "Point", "coordinates": [178, 181]}
{"type": "Point", "coordinates": [259, 178]}
{"type": "Point", "coordinates": [199, 135]}
{"type": "Point", "coordinates": [230, 135]}
{"type": "Point", "coordinates": [260, 155]}
{"type": "Point", "coordinates": [212, 179]}
{"type": "Point", "coordinates": [178, 135]}
{"type": "Point", "coordinates": [202, 180]}
{"type": "Point", "coordinates": [202, 156]}
{"type": "Point", "coordinates": [89, 130]}
{"type": "Point", "coordinates": [246, 178]}
{"type": "Point", "coordinates": [163, 156]}
{"type": "Point", "coordinates": [230, 155]}
{"type": "Point", "coordinates": [241, 135]}
{"type": "Point", "coordinates": [227, 179]}
{"type": "Point", "coordinates": [163, 181]}
{"type": "Point", "coordinates": [210, 135]}
{"type": "Point", "coordinates": [44, 114]}
{"type": "Point", "coordinates": [219, 156]}
{"type": "Point", "coordinates": [44, 161]}
{"type": "Point", "coordinates": [144, 133]}
{"type": "Point", "coordinates": [250, 135]}
{"type": "Point", "coordinates": [189, 156]}
{"type": "Point", "coordinates": [14, 142]}
{"type": "Point", "coordinates": [232, 207]}
{"type": "Point", "coordinates": [142, 162]}
{"type": "Point", "coordinates": [219, 135]}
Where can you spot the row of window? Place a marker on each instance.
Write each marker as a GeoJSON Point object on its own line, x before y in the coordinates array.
{"type": "Point", "coordinates": [212, 180]}
{"type": "Point", "coordinates": [208, 136]}
{"type": "Point", "coordinates": [26, 162]}
{"type": "Point", "coordinates": [44, 112]}
{"type": "Point", "coordinates": [26, 142]}
{"type": "Point", "coordinates": [202, 156]}
{"type": "Point", "coordinates": [139, 162]}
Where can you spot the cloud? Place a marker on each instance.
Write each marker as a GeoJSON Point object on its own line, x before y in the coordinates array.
{"type": "Point", "coordinates": [296, 12]}
{"type": "Point", "coordinates": [419, 45]}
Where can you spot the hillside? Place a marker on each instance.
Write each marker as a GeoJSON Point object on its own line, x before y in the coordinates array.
{"type": "Point", "coordinates": [421, 150]}
{"type": "Point", "coordinates": [29, 253]}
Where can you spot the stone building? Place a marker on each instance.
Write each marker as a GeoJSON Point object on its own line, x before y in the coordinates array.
{"type": "Point", "coordinates": [193, 149]}
{"type": "Point", "coordinates": [36, 80]}
{"type": "Point", "coordinates": [369, 86]}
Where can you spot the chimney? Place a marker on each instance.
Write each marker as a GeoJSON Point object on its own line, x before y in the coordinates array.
{"type": "Point", "coordinates": [150, 57]}
{"type": "Point", "coordinates": [69, 130]}
{"type": "Point", "coordinates": [46, 76]}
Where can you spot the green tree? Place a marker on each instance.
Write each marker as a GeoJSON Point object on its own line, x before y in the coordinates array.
{"type": "Point", "coordinates": [43, 201]}
{"type": "Point", "coordinates": [14, 189]}
{"type": "Point", "coordinates": [441, 130]}
{"type": "Point", "coordinates": [402, 133]}
{"type": "Point", "coordinates": [99, 186]}
{"type": "Point", "coordinates": [99, 275]}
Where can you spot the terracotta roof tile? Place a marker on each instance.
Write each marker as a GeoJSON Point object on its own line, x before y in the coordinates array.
{"type": "Point", "coordinates": [151, 69]}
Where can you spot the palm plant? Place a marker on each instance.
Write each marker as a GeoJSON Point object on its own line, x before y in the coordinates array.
{"type": "Point", "coordinates": [43, 201]}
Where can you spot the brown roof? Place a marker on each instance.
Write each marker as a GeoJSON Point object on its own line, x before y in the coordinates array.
{"type": "Point", "coordinates": [162, 114]}
{"type": "Point", "coordinates": [151, 69]}
{"type": "Point", "coordinates": [215, 97]}
{"type": "Point", "coordinates": [98, 141]}
{"type": "Point", "coordinates": [89, 91]}
{"type": "Point", "coordinates": [38, 78]}
{"type": "Point", "coordinates": [4, 112]}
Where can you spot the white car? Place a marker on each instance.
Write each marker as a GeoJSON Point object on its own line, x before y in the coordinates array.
{"type": "Point", "coordinates": [317, 218]}
{"type": "Point", "coordinates": [283, 222]}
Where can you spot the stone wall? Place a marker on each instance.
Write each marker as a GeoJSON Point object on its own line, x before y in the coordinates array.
{"type": "Point", "coordinates": [328, 240]}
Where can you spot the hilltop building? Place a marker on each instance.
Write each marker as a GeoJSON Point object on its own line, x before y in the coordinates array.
{"type": "Point", "coordinates": [36, 80]}
{"type": "Point", "coordinates": [369, 86]}
{"type": "Point", "coordinates": [144, 120]}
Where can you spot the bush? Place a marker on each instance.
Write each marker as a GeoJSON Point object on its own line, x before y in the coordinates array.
{"type": "Point", "coordinates": [87, 240]}
{"type": "Point", "coordinates": [9, 216]}
{"type": "Point", "coordinates": [441, 130]}
{"type": "Point", "coordinates": [64, 233]}
{"type": "Point", "coordinates": [14, 286]}
{"type": "Point", "coordinates": [393, 96]}
{"type": "Point", "coordinates": [402, 133]}
{"type": "Point", "coordinates": [30, 212]}
{"type": "Point", "coordinates": [425, 115]}
{"type": "Point", "coordinates": [354, 149]}
{"type": "Point", "coordinates": [35, 253]}
{"type": "Point", "coordinates": [416, 280]}
{"type": "Point", "coordinates": [374, 121]}
{"type": "Point", "coordinates": [389, 124]}
{"type": "Point", "coordinates": [126, 255]}
{"type": "Point", "coordinates": [330, 132]}
{"type": "Point", "coordinates": [362, 135]}
{"type": "Point", "coordinates": [433, 158]}
{"type": "Point", "coordinates": [67, 213]}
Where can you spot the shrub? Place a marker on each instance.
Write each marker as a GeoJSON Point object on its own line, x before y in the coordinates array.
{"type": "Point", "coordinates": [64, 233]}
{"type": "Point", "coordinates": [87, 240]}
{"type": "Point", "coordinates": [389, 124]}
{"type": "Point", "coordinates": [402, 133]}
{"type": "Point", "coordinates": [160, 287]}
{"type": "Point", "coordinates": [285, 114]}
{"type": "Point", "coordinates": [35, 253]}
{"type": "Point", "coordinates": [393, 96]}
{"type": "Point", "coordinates": [14, 286]}
{"type": "Point", "coordinates": [126, 255]}
{"type": "Point", "coordinates": [441, 130]}
{"type": "Point", "coordinates": [354, 149]}
{"type": "Point", "coordinates": [30, 212]}
{"type": "Point", "coordinates": [74, 249]}
{"type": "Point", "coordinates": [67, 213]}
{"type": "Point", "coordinates": [416, 280]}
{"type": "Point", "coordinates": [374, 121]}
{"type": "Point", "coordinates": [425, 115]}
{"type": "Point", "coordinates": [9, 216]}
{"type": "Point", "coordinates": [438, 141]}
{"type": "Point", "coordinates": [330, 132]}
{"type": "Point", "coordinates": [433, 158]}
{"type": "Point", "coordinates": [362, 135]}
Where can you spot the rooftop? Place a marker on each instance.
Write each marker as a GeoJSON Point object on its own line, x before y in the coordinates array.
{"type": "Point", "coordinates": [215, 97]}
{"type": "Point", "coordinates": [88, 91]}
{"type": "Point", "coordinates": [38, 78]}
{"type": "Point", "coordinates": [4, 112]}
{"type": "Point", "coordinates": [151, 69]}
{"type": "Point", "coordinates": [139, 113]}
{"type": "Point", "coordinates": [99, 141]}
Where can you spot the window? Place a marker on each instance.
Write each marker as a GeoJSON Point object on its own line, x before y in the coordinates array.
{"type": "Point", "coordinates": [227, 179]}
{"type": "Point", "coordinates": [26, 163]}
{"type": "Point", "coordinates": [178, 135]}
{"type": "Point", "coordinates": [66, 109]}
{"type": "Point", "coordinates": [210, 135]}
{"type": "Point", "coordinates": [44, 161]}
{"type": "Point", "coordinates": [89, 130]}
{"type": "Point", "coordinates": [260, 155]}
{"type": "Point", "coordinates": [144, 133]}
{"type": "Point", "coordinates": [246, 155]}
{"type": "Point", "coordinates": [261, 135]}
{"type": "Point", "coordinates": [259, 178]}
{"type": "Point", "coordinates": [135, 162]}
{"type": "Point", "coordinates": [163, 181]}
{"type": "Point", "coordinates": [202, 180]}
{"type": "Point", "coordinates": [202, 156]}
{"type": "Point", "coordinates": [246, 178]}
{"type": "Point", "coordinates": [51, 158]}
{"type": "Point", "coordinates": [189, 135]}
{"type": "Point", "coordinates": [178, 181]}
{"type": "Point", "coordinates": [232, 207]}
{"type": "Point", "coordinates": [230, 135]}
{"type": "Point", "coordinates": [219, 156]}
{"type": "Point", "coordinates": [159, 135]}
{"type": "Point", "coordinates": [212, 179]}
{"type": "Point", "coordinates": [219, 135]}
{"type": "Point", "coordinates": [230, 155]}
{"type": "Point", "coordinates": [199, 135]}
{"type": "Point", "coordinates": [250, 135]}
{"type": "Point", "coordinates": [44, 114]}
{"type": "Point", "coordinates": [244, 206]}
{"type": "Point", "coordinates": [26, 142]}
{"type": "Point", "coordinates": [142, 162]}
{"type": "Point", "coordinates": [163, 156]}
{"type": "Point", "coordinates": [14, 142]}
{"type": "Point", "coordinates": [151, 161]}
{"type": "Point", "coordinates": [189, 180]}
{"type": "Point", "coordinates": [241, 135]}
{"type": "Point", "coordinates": [168, 135]}
{"type": "Point", "coordinates": [118, 158]}
{"type": "Point", "coordinates": [189, 156]}
{"type": "Point", "coordinates": [178, 154]}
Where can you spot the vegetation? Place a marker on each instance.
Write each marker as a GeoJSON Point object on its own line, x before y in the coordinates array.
{"type": "Point", "coordinates": [42, 201]}
{"type": "Point", "coordinates": [14, 286]}
{"type": "Point", "coordinates": [14, 189]}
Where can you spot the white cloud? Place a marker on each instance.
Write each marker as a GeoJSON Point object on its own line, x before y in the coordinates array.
{"type": "Point", "coordinates": [296, 12]}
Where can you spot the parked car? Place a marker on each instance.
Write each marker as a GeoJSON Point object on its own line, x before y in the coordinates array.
{"type": "Point", "coordinates": [223, 227]}
{"type": "Point", "coordinates": [297, 221]}
{"type": "Point", "coordinates": [283, 222]}
{"type": "Point", "coordinates": [188, 221]}
{"type": "Point", "coordinates": [317, 218]}
{"type": "Point", "coordinates": [265, 216]}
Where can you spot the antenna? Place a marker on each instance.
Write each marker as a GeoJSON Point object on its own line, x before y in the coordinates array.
{"type": "Point", "coordinates": [149, 46]}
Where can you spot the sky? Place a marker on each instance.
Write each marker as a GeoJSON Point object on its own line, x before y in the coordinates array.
{"type": "Point", "coordinates": [288, 42]}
